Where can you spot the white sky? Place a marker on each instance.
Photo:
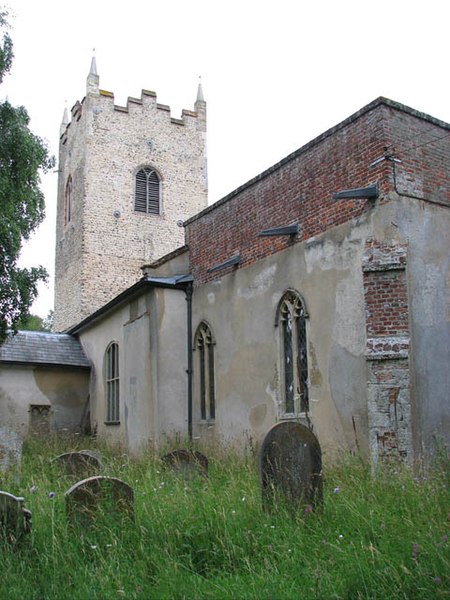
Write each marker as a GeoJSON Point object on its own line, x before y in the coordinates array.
{"type": "Point", "coordinates": [274, 74]}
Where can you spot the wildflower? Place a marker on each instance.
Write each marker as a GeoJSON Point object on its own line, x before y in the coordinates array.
{"type": "Point", "coordinates": [33, 488]}
{"type": "Point", "coordinates": [308, 509]}
{"type": "Point", "coordinates": [123, 466]}
{"type": "Point", "coordinates": [272, 527]}
{"type": "Point", "coordinates": [233, 512]}
{"type": "Point", "coordinates": [437, 580]}
{"type": "Point", "coordinates": [51, 495]}
{"type": "Point", "coordinates": [336, 490]}
{"type": "Point", "coordinates": [93, 546]}
{"type": "Point", "coordinates": [289, 550]}
{"type": "Point", "coordinates": [243, 498]}
{"type": "Point", "coordinates": [340, 536]}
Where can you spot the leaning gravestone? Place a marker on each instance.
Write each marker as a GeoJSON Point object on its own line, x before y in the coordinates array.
{"type": "Point", "coordinates": [99, 497]}
{"type": "Point", "coordinates": [290, 466]}
{"type": "Point", "coordinates": [81, 464]}
{"type": "Point", "coordinates": [15, 519]}
{"type": "Point", "coordinates": [10, 450]}
{"type": "Point", "coordinates": [187, 462]}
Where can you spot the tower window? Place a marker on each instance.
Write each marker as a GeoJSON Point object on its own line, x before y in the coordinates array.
{"type": "Point", "coordinates": [147, 192]}
{"type": "Point", "coordinates": [68, 201]}
{"type": "Point", "coordinates": [291, 319]}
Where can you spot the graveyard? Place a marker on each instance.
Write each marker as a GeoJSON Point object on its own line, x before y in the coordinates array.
{"type": "Point", "coordinates": [96, 523]}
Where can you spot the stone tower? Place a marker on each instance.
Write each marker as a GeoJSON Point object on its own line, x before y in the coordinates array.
{"type": "Point", "coordinates": [128, 177]}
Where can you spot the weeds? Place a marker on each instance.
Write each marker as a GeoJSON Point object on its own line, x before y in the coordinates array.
{"type": "Point", "coordinates": [377, 537]}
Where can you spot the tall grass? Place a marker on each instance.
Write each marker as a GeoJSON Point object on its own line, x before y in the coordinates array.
{"type": "Point", "coordinates": [377, 537]}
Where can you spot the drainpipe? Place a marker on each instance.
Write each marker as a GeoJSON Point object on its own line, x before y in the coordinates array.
{"type": "Point", "coordinates": [189, 371]}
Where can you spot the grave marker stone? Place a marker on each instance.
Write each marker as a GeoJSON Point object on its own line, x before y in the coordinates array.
{"type": "Point", "coordinates": [290, 466]}
{"type": "Point", "coordinates": [10, 450]}
{"type": "Point", "coordinates": [187, 462]}
{"type": "Point", "coordinates": [99, 497]}
{"type": "Point", "coordinates": [80, 464]}
{"type": "Point", "coordinates": [15, 519]}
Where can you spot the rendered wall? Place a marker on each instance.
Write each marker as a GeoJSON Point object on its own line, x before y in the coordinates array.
{"type": "Point", "coordinates": [151, 332]}
{"type": "Point", "coordinates": [63, 390]}
{"type": "Point", "coordinates": [376, 362]}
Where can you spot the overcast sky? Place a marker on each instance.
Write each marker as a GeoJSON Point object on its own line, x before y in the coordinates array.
{"type": "Point", "coordinates": [274, 74]}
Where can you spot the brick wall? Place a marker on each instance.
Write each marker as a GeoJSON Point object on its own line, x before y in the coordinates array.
{"type": "Point", "coordinates": [387, 351]}
{"type": "Point", "coordinates": [300, 188]}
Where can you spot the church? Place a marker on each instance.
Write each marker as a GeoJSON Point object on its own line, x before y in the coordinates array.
{"type": "Point", "coordinates": [316, 292]}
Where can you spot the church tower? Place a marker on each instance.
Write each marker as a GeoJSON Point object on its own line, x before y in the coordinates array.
{"type": "Point", "coordinates": [128, 176]}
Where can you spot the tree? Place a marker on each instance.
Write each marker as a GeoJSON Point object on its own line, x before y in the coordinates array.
{"type": "Point", "coordinates": [35, 322]}
{"type": "Point", "coordinates": [22, 156]}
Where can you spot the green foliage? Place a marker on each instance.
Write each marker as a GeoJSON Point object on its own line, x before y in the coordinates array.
{"type": "Point", "coordinates": [6, 53]}
{"type": "Point", "coordinates": [378, 537]}
{"type": "Point", "coordinates": [22, 156]}
{"type": "Point", "coordinates": [35, 323]}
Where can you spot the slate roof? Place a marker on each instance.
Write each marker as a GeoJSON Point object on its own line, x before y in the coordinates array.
{"type": "Point", "coordinates": [39, 348]}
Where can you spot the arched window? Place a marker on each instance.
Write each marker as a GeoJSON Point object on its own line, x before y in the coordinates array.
{"type": "Point", "coordinates": [147, 192]}
{"type": "Point", "coordinates": [291, 320]}
{"type": "Point", "coordinates": [204, 345]}
{"type": "Point", "coordinates": [68, 201]}
{"type": "Point", "coordinates": [112, 383]}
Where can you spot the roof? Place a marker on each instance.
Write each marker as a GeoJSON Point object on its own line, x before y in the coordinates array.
{"type": "Point", "coordinates": [39, 348]}
{"type": "Point", "coordinates": [175, 282]}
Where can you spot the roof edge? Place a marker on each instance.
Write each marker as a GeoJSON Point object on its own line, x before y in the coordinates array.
{"type": "Point", "coordinates": [144, 282]}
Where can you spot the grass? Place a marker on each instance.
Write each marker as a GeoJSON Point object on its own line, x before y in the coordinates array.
{"type": "Point", "coordinates": [377, 537]}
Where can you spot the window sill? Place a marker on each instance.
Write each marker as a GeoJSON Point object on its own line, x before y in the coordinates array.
{"type": "Point", "coordinates": [112, 423]}
{"type": "Point", "coordinates": [295, 416]}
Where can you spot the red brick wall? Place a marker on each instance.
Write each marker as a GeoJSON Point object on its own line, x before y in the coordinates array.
{"type": "Point", "coordinates": [386, 303]}
{"type": "Point", "coordinates": [300, 188]}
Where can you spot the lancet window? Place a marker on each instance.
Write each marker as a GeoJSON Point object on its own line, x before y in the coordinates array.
{"type": "Point", "coordinates": [291, 320]}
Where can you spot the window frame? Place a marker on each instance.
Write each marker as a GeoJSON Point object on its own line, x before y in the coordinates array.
{"type": "Point", "coordinates": [291, 321]}
{"type": "Point", "coordinates": [68, 201]}
{"type": "Point", "coordinates": [153, 206]}
{"type": "Point", "coordinates": [204, 343]}
{"type": "Point", "coordinates": [112, 384]}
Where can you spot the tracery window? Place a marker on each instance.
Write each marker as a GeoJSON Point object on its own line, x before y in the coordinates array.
{"type": "Point", "coordinates": [68, 201]}
{"type": "Point", "coordinates": [204, 345]}
{"type": "Point", "coordinates": [291, 320]}
{"type": "Point", "coordinates": [112, 384]}
{"type": "Point", "coordinates": [147, 194]}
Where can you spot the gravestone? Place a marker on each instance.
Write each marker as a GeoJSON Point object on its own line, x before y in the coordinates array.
{"type": "Point", "coordinates": [15, 519]}
{"type": "Point", "coordinates": [99, 497]}
{"type": "Point", "coordinates": [188, 463]}
{"type": "Point", "coordinates": [290, 466]}
{"type": "Point", "coordinates": [80, 464]}
{"type": "Point", "coordinates": [10, 450]}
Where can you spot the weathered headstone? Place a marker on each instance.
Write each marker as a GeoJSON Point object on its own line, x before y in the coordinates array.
{"type": "Point", "coordinates": [98, 497]}
{"type": "Point", "coordinates": [290, 466]}
{"type": "Point", "coordinates": [188, 463]}
{"type": "Point", "coordinates": [10, 450]}
{"type": "Point", "coordinates": [15, 519]}
{"type": "Point", "coordinates": [80, 464]}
